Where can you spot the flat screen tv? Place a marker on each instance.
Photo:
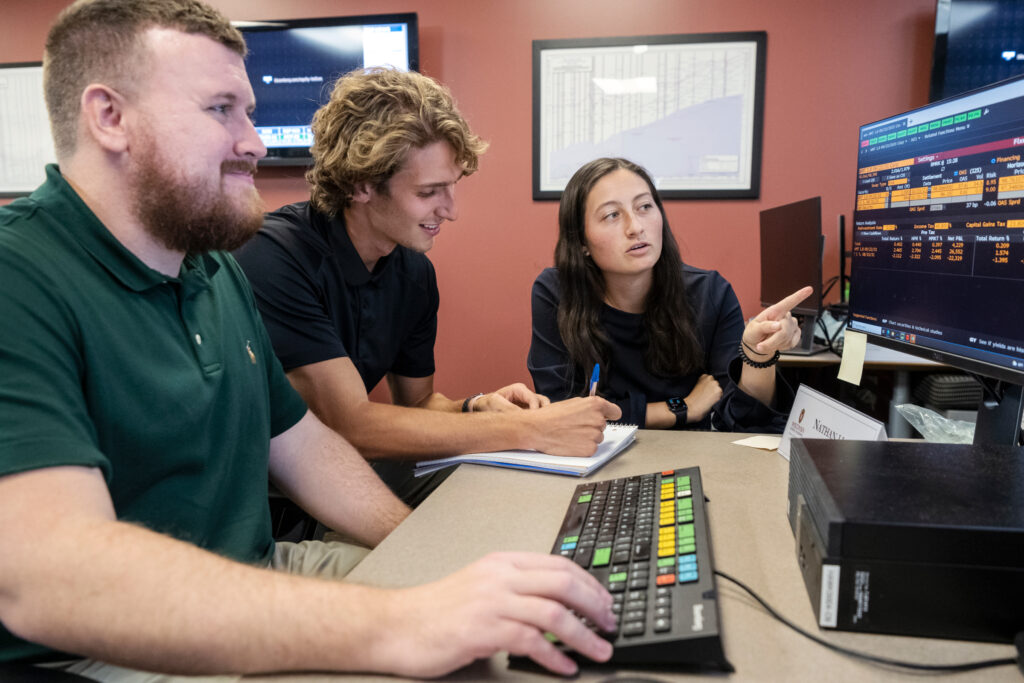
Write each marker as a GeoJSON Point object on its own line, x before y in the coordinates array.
{"type": "Point", "coordinates": [977, 42]}
{"type": "Point", "coordinates": [293, 64]}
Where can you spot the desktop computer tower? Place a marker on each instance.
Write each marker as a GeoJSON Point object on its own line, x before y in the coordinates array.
{"type": "Point", "coordinates": [911, 538]}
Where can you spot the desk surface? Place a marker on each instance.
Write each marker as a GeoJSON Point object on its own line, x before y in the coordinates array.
{"type": "Point", "coordinates": [482, 509]}
{"type": "Point", "coordinates": [874, 357]}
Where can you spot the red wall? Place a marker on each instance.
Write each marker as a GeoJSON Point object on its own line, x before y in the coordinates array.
{"type": "Point", "coordinates": [831, 66]}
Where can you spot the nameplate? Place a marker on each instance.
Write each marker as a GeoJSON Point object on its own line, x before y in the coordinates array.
{"type": "Point", "coordinates": [817, 416]}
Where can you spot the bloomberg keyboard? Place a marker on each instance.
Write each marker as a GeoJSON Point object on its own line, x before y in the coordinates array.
{"type": "Point", "coordinates": [646, 539]}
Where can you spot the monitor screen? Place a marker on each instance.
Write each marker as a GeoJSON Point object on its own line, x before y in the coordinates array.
{"type": "Point", "coordinates": [791, 243]}
{"type": "Point", "coordinates": [294, 63]}
{"type": "Point", "coordinates": [938, 242]}
{"type": "Point", "coordinates": [977, 42]}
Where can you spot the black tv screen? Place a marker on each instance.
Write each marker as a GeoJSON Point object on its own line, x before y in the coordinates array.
{"type": "Point", "coordinates": [293, 64]}
{"type": "Point", "coordinates": [977, 42]}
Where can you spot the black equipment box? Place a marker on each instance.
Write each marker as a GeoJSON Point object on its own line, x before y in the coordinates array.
{"type": "Point", "coordinates": [911, 538]}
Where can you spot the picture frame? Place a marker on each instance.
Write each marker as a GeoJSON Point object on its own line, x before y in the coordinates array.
{"type": "Point", "coordinates": [687, 107]}
{"type": "Point", "coordinates": [25, 142]}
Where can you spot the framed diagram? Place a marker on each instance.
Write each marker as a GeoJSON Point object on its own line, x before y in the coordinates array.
{"type": "Point", "coordinates": [686, 107]}
{"type": "Point", "coordinates": [25, 143]}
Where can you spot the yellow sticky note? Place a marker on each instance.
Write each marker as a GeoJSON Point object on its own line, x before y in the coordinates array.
{"type": "Point", "coordinates": [855, 345]}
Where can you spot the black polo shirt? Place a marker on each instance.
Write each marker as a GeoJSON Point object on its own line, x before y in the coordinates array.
{"type": "Point", "coordinates": [319, 301]}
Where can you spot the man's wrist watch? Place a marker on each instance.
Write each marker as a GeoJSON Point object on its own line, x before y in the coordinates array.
{"type": "Point", "coordinates": [678, 407]}
{"type": "Point", "coordinates": [467, 405]}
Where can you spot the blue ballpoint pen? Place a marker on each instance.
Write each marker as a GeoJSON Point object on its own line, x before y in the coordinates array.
{"type": "Point", "coordinates": [594, 376]}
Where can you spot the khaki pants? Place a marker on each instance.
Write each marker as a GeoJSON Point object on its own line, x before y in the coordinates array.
{"type": "Point", "coordinates": [332, 560]}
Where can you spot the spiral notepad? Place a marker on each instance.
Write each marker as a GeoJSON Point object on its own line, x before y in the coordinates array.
{"type": "Point", "coordinates": [616, 438]}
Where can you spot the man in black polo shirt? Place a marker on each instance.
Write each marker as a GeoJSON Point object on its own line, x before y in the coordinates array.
{"type": "Point", "coordinates": [349, 297]}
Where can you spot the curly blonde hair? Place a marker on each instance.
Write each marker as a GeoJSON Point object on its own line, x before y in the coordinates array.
{"type": "Point", "coordinates": [373, 119]}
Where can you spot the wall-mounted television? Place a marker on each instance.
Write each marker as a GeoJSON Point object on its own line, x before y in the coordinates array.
{"type": "Point", "coordinates": [293, 64]}
{"type": "Point", "coordinates": [977, 42]}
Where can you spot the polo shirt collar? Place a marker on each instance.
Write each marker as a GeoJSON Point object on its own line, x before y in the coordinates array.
{"type": "Point", "coordinates": [352, 266]}
{"type": "Point", "coordinates": [101, 244]}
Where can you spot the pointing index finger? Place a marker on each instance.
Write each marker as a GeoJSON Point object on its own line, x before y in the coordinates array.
{"type": "Point", "coordinates": [787, 304]}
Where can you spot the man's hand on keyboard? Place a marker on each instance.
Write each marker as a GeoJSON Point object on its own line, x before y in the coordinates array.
{"type": "Point", "coordinates": [505, 601]}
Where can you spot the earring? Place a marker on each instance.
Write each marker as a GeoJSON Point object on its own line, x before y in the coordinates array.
{"type": "Point", "coordinates": [586, 252]}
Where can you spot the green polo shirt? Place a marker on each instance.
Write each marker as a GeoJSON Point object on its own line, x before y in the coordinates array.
{"type": "Point", "coordinates": [168, 385]}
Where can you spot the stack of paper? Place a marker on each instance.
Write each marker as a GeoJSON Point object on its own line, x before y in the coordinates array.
{"type": "Point", "coordinates": [616, 438]}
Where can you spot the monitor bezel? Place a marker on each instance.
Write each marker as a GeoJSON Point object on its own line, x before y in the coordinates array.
{"type": "Point", "coordinates": [940, 48]}
{"type": "Point", "coordinates": [300, 156]}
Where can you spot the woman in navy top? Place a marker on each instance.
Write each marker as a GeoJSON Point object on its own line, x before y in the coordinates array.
{"type": "Point", "coordinates": [670, 338]}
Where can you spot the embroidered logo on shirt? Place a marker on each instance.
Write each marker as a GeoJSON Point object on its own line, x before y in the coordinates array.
{"type": "Point", "coordinates": [248, 348]}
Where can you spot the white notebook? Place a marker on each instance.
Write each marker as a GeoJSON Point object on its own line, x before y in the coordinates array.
{"type": "Point", "coordinates": [616, 438]}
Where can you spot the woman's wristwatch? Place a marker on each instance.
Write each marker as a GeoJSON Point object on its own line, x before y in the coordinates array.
{"type": "Point", "coordinates": [678, 407]}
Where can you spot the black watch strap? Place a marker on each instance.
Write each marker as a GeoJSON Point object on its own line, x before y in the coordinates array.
{"type": "Point", "coordinates": [679, 409]}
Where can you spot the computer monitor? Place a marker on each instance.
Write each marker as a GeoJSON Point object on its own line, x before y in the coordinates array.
{"type": "Point", "coordinates": [293, 64]}
{"type": "Point", "coordinates": [791, 252]}
{"type": "Point", "coordinates": [938, 243]}
{"type": "Point", "coordinates": [977, 42]}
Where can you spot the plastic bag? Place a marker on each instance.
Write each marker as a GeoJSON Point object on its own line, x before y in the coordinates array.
{"type": "Point", "coordinates": [935, 428]}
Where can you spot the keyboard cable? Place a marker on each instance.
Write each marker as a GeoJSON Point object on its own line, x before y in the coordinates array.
{"type": "Point", "coordinates": [967, 666]}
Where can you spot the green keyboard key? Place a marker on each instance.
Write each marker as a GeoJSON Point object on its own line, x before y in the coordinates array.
{"type": "Point", "coordinates": [601, 557]}
{"type": "Point", "coordinates": [585, 498]}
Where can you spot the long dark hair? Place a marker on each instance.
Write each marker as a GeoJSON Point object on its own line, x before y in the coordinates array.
{"type": "Point", "coordinates": [673, 347]}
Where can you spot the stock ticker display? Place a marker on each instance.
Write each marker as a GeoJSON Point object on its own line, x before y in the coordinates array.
{"type": "Point", "coordinates": [938, 244]}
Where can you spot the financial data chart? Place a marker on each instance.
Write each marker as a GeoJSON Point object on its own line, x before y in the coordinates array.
{"type": "Point", "coordinates": [25, 142]}
{"type": "Point", "coordinates": [621, 103]}
{"type": "Point", "coordinates": [688, 111]}
{"type": "Point", "coordinates": [938, 249]}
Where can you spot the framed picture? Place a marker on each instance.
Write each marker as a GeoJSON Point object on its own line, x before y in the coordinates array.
{"type": "Point", "coordinates": [687, 107]}
{"type": "Point", "coordinates": [25, 143]}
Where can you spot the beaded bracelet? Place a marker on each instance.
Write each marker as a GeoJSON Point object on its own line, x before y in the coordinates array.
{"type": "Point", "coordinates": [758, 364]}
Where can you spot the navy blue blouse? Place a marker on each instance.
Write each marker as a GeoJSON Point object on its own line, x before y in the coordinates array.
{"type": "Point", "coordinates": [625, 380]}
